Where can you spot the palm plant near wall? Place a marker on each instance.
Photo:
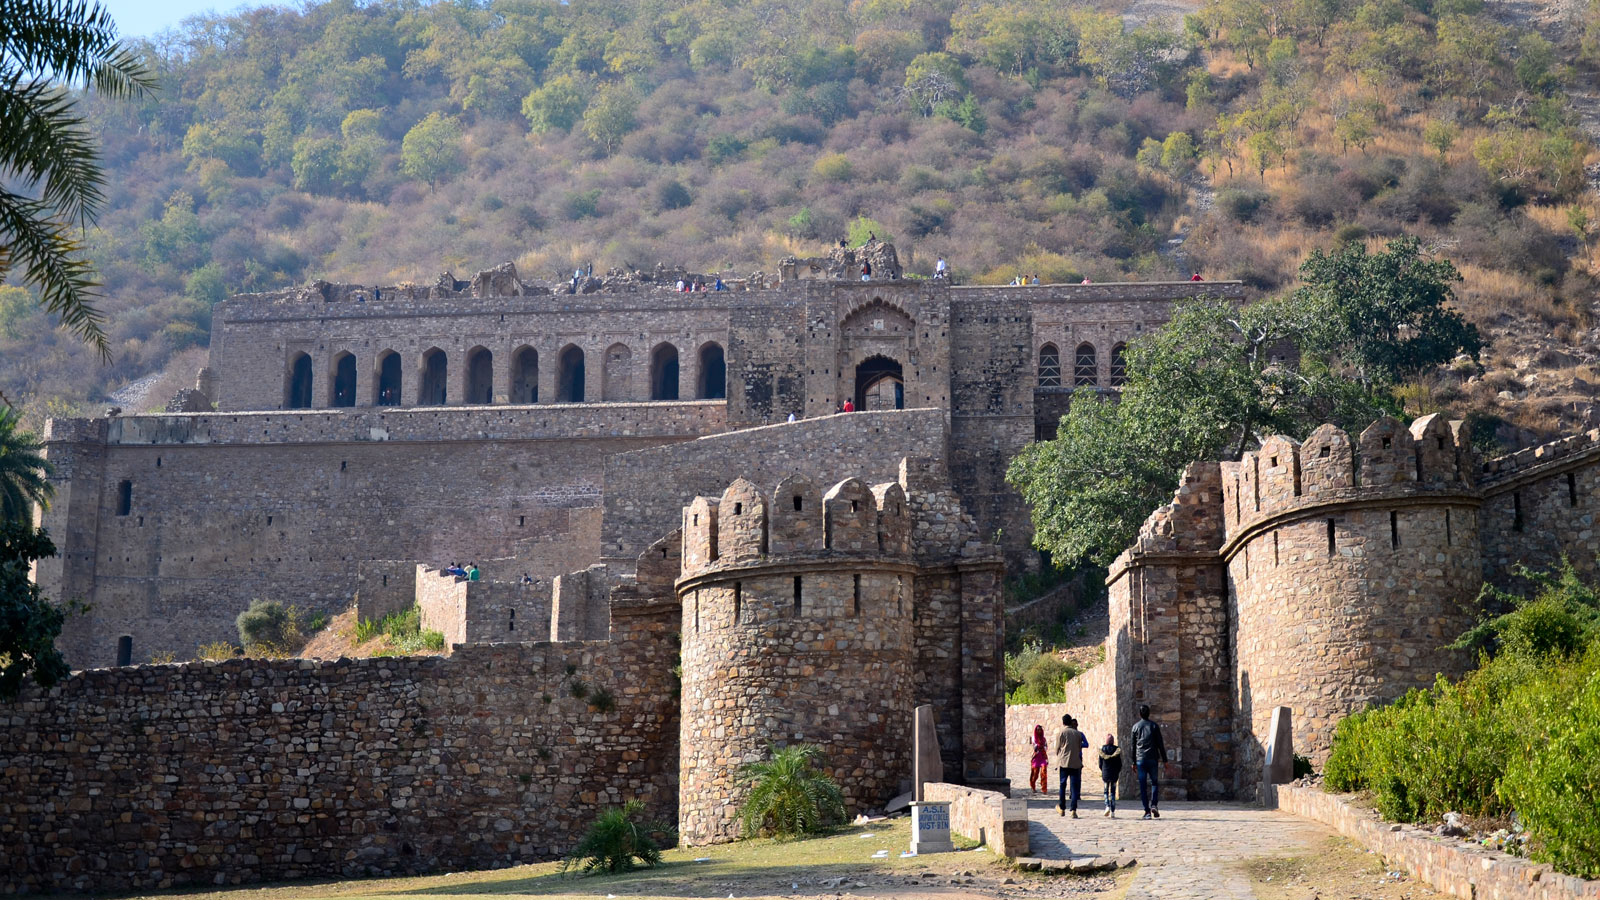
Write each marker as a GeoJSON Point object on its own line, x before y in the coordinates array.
{"type": "Point", "coordinates": [789, 794]}
{"type": "Point", "coordinates": [618, 837]}
{"type": "Point", "coordinates": [23, 470]}
{"type": "Point", "coordinates": [50, 178]}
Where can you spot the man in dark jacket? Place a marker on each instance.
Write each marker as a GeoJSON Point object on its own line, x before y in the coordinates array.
{"type": "Point", "coordinates": [1148, 754]}
{"type": "Point", "coordinates": [1070, 744]}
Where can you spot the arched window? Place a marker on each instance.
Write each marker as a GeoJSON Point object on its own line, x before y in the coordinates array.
{"type": "Point", "coordinates": [297, 386]}
{"type": "Point", "coordinates": [386, 389]}
{"type": "Point", "coordinates": [432, 379]}
{"type": "Point", "coordinates": [664, 372]}
{"type": "Point", "coordinates": [616, 385]}
{"type": "Point", "coordinates": [342, 389]}
{"type": "Point", "coordinates": [1086, 370]}
{"type": "Point", "coordinates": [713, 373]}
{"type": "Point", "coordinates": [1119, 365]}
{"type": "Point", "coordinates": [525, 375]}
{"type": "Point", "coordinates": [1049, 366]}
{"type": "Point", "coordinates": [569, 377]}
{"type": "Point", "coordinates": [480, 376]}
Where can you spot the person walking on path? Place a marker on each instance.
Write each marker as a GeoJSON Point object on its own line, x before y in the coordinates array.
{"type": "Point", "coordinates": [1148, 754]}
{"type": "Point", "coordinates": [1110, 769]}
{"type": "Point", "coordinates": [1039, 767]}
{"type": "Point", "coordinates": [1070, 744]}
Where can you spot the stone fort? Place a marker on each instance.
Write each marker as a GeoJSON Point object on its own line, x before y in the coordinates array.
{"type": "Point", "coordinates": [706, 575]}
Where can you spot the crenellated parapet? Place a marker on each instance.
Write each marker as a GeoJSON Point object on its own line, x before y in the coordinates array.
{"type": "Point", "coordinates": [1287, 479]}
{"type": "Point", "coordinates": [826, 617]}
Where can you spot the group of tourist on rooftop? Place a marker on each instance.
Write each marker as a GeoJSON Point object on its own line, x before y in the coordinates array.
{"type": "Point", "coordinates": [470, 573]}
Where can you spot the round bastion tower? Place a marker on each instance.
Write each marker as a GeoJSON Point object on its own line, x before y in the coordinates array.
{"type": "Point", "coordinates": [1352, 567]}
{"type": "Point", "coordinates": [796, 629]}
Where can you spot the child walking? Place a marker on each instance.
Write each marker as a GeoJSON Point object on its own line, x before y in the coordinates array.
{"type": "Point", "coordinates": [1040, 771]}
{"type": "Point", "coordinates": [1110, 769]}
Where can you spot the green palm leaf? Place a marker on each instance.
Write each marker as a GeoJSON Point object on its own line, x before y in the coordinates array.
{"type": "Point", "coordinates": [788, 793]}
{"type": "Point", "coordinates": [23, 471]}
{"type": "Point", "coordinates": [48, 48]}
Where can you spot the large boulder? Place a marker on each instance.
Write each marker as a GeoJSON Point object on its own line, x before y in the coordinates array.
{"type": "Point", "coordinates": [500, 281]}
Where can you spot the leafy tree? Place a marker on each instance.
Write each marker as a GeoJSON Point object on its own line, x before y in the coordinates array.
{"type": "Point", "coordinates": [671, 194]}
{"type": "Point", "coordinates": [1178, 153]}
{"type": "Point", "coordinates": [44, 45]}
{"type": "Point", "coordinates": [315, 164]}
{"type": "Point", "coordinates": [617, 838]}
{"type": "Point", "coordinates": [862, 229]}
{"type": "Point", "coordinates": [932, 78]}
{"type": "Point", "coordinates": [205, 285]}
{"type": "Point", "coordinates": [23, 470]}
{"type": "Point", "coordinates": [431, 150]}
{"type": "Point", "coordinates": [788, 794]}
{"type": "Point", "coordinates": [1440, 135]}
{"type": "Point", "coordinates": [1208, 385]}
{"type": "Point", "coordinates": [556, 106]}
{"type": "Point", "coordinates": [29, 624]}
{"type": "Point", "coordinates": [176, 239]}
{"type": "Point", "coordinates": [1383, 316]}
{"type": "Point", "coordinates": [611, 116]}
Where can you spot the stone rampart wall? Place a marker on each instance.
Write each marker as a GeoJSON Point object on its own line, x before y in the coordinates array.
{"type": "Point", "coordinates": [385, 586]}
{"type": "Point", "coordinates": [645, 492]}
{"type": "Point", "coordinates": [980, 816]}
{"type": "Point", "coordinates": [1366, 550]}
{"type": "Point", "coordinates": [442, 601]}
{"type": "Point", "coordinates": [169, 541]}
{"type": "Point", "coordinates": [1454, 867]}
{"type": "Point", "coordinates": [1091, 699]}
{"type": "Point", "coordinates": [1539, 506]}
{"type": "Point", "coordinates": [247, 770]}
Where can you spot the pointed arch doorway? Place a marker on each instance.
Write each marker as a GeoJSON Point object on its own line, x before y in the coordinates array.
{"type": "Point", "coordinates": [880, 384]}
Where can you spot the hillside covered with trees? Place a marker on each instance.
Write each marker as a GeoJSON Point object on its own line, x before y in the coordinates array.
{"type": "Point", "coordinates": [388, 141]}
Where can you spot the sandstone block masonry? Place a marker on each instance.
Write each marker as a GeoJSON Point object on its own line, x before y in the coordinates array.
{"type": "Point", "coordinates": [803, 622]}
{"type": "Point", "coordinates": [478, 419]}
{"type": "Point", "coordinates": [1324, 575]}
{"type": "Point", "coordinates": [216, 773]}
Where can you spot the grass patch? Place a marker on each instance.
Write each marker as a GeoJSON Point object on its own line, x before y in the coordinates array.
{"type": "Point", "coordinates": [759, 867]}
{"type": "Point", "coordinates": [404, 631]}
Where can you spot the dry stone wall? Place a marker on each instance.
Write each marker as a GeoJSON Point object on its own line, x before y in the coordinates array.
{"type": "Point", "coordinates": [248, 770]}
{"type": "Point", "coordinates": [169, 526]}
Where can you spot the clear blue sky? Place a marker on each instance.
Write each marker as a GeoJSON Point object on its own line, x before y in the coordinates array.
{"type": "Point", "coordinates": [142, 18]}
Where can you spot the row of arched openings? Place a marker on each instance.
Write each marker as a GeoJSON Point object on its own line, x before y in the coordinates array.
{"type": "Point", "coordinates": [433, 377]}
{"type": "Point", "coordinates": [1085, 366]}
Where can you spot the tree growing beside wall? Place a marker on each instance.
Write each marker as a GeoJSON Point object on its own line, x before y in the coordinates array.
{"type": "Point", "coordinates": [1218, 378]}
{"type": "Point", "coordinates": [29, 623]}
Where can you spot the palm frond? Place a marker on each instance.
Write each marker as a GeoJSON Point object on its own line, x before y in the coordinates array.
{"type": "Point", "coordinates": [70, 41]}
{"type": "Point", "coordinates": [50, 259]}
{"type": "Point", "coordinates": [24, 471]}
{"type": "Point", "coordinates": [46, 144]}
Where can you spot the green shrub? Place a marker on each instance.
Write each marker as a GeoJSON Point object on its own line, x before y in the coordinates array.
{"type": "Point", "coordinates": [404, 630]}
{"type": "Point", "coordinates": [617, 838]}
{"type": "Point", "coordinates": [1554, 768]}
{"type": "Point", "coordinates": [1520, 734]}
{"type": "Point", "coordinates": [789, 795]}
{"type": "Point", "coordinates": [1241, 206]}
{"type": "Point", "coordinates": [266, 622]}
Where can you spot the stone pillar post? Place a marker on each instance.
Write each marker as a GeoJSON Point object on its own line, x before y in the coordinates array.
{"type": "Point", "coordinates": [983, 752]}
{"type": "Point", "coordinates": [502, 376]}
{"type": "Point", "coordinates": [410, 377]}
{"type": "Point", "coordinates": [594, 374]}
{"type": "Point", "coordinates": [689, 371]}
{"type": "Point", "coordinates": [549, 368]}
{"type": "Point", "coordinates": [366, 377]}
{"type": "Point", "coordinates": [456, 376]}
{"type": "Point", "coordinates": [321, 381]}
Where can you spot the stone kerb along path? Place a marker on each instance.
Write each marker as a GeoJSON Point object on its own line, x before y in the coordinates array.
{"type": "Point", "coordinates": [1191, 853]}
{"type": "Point", "coordinates": [1456, 867]}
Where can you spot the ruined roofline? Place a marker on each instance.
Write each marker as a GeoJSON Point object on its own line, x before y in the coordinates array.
{"type": "Point", "coordinates": [369, 424]}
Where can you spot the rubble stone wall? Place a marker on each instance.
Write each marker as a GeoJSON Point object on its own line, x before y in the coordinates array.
{"type": "Point", "coordinates": [169, 526]}
{"type": "Point", "coordinates": [214, 773]}
{"type": "Point", "coordinates": [1344, 593]}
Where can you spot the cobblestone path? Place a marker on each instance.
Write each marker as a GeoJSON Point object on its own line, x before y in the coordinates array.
{"type": "Point", "coordinates": [1187, 854]}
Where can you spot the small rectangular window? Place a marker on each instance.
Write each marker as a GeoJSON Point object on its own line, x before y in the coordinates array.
{"type": "Point", "coordinates": [1572, 488]}
{"type": "Point", "coordinates": [1447, 535]}
{"type": "Point", "coordinates": [1274, 549]}
{"type": "Point", "coordinates": [1394, 531]}
{"type": "Point", "coordinates": [797, 593]}
{"type": "Point", "coordinates": [738, 600]}
{"type": "Point", "coordinates": [1333, 547]}
{"type": "Point", "coordinates": [798, 503]}
{"type": "Point", "coordinates": [1516, 510]}
{"type": "Point", "coordinates": [857, 607]}
{"type": "Point", "coordinates": [124, 497]}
